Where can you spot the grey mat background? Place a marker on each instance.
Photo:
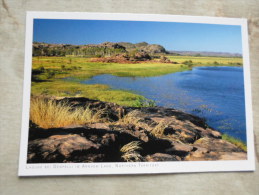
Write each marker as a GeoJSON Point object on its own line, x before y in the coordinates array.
{"type": "Point", "coordinates": [12, 35]}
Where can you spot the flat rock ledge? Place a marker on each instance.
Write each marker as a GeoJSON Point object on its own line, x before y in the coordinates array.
{"type": "Point", "coordinates": [162, 134]}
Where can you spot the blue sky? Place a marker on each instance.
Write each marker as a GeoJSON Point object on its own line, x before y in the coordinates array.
{"type": "Point", "coordinates": [171, 35]}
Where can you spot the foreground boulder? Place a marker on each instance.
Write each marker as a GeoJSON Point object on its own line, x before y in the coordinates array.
{"type": "Point", "coordinates": [154, 134]}
{"type": "Point", "coordinates": [58, 148]}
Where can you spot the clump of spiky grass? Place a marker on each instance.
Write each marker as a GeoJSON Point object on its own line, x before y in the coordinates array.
{"type": "Point", "coordinates": [130, 153]}
{"type": "Point", "coordinates": [159, 129]}
{"type": "Point", "coordinates": [131, 147]}
{"type": "Point", "coordinates": [47, 113]}
{"type": "Point", "coordinates": [131, 118]}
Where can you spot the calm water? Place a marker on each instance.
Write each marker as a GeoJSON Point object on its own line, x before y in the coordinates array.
{"type": "Point", "coordinates": [214, 93]}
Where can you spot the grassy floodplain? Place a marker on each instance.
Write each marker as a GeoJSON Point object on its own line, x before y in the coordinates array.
{"type": "Point", "coordinates": [49, 71]}
{"type": "Point", "coordinates": [48, 75]}
{"type": "Point", "coordinates": [208, 61]}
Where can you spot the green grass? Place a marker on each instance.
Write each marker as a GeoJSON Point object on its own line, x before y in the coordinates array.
{"type": "Point", "coordinates": [63, 88]}
{"type": "Point", "coordinates": [235, 141]}
{"type": "Point", "coordinates": [208, 61]}
{"type": "Point", "coordinates": [83, 68]}
{"type": "Point", "coordinates": [49, 71]}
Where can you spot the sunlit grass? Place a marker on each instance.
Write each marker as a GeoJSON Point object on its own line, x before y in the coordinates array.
{"type": "Point", "coordinates": [239, 143]}
{"type": "Point", "coordinates": [130, 152]}
{"type": "Point", "coordinates": [131, 118]}
{"type": "Point", "coordinates": [208, 61]}
{"type": "Point", "coordinates": [51, 114]}
{"type": "Point", "coordinates": [135, 118]}
{"type": "Point", "coordinates": [159, 129]}
{"type": "Point", "coordinates": [63, 88]}
{"type": "Point", "coordinates": [83, 68]}
{"type": "Point", "coordinates": [88, 69]}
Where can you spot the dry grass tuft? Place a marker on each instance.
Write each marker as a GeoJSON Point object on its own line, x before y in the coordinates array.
{"type": "Point", "coordinates": [159, 129]}
{"type": "Point", "coordinates": [130, 153]}
{"type": "Point", "coordinates": [50, 114]}
{"type": "Point", "coordinates": [131, 118]}
{"type": "Point", "coordinates": [131, 147]}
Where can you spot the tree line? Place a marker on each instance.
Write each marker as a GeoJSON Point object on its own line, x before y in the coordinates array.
{"type": "Point", "coordinates": [77, 51]}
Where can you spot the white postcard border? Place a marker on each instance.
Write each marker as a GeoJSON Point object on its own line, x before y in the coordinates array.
{"type": "Point", "coordinates": [44, 169]}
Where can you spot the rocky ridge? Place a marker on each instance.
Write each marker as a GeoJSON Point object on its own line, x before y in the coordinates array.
{"type": "Point", "coordinates": [102, 49]}
{"type": "Point", "coordinates": [159, 134]}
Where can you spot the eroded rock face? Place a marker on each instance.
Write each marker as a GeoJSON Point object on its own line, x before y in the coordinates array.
{"type": "Point", "coordinates": [57, 148]}
{"type": "Point", "coordinates": [162, 157]}
{"type": "Point", "coordinates": [163, 134]}
{"type": "Point", "coordinates": [216, 145]}
{"type": "Point", "coordinates": [199, 156]}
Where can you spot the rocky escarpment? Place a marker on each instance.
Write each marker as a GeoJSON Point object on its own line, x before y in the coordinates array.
{"type": "Point", "coordinates": [94, 50]}
{"type": "Point", "coordinates": [144, 47]}
{"type": "Point", "coordinates": [130, 134]}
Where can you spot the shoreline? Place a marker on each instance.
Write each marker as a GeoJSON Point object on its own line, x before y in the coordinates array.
{"type": "Point", "coordinates": [125, 134]}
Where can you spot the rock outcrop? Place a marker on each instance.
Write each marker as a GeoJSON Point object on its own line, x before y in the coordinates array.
{"type": "Point", "coordinates": [160, 134]}
{"type": "Point", "coordinates": [124, 58]}
{"type": "Point", "coordinates": [144, 47]}
{"type": "Point", "coordinates": [102, 49]}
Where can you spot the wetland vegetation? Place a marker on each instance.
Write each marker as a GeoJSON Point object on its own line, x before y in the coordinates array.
{"type": "Point", "coordinates": [48, 73]}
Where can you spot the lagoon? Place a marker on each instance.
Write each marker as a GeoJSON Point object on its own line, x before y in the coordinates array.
{"type": "Point", "coordinates": [213, 93]}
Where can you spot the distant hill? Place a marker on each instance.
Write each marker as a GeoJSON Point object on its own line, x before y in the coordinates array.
{"type": "Point", "coordinates": [144, 46]}
{"type": "Point", "coordinates": [205, 53]}
{"type": "Point", "coordinates": [102, 49]}
{"type": "Point", "coordinates": [110, 48]}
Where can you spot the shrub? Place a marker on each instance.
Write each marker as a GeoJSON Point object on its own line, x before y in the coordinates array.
{"type": "Point", "coordinates": [188, 63]}
{"type": "Point", "coordinates": [39, 70]}
{"type": "Point", "coordinates": [144, 103]}
{"type": "Point", "coordinates": [42, 69]}
{"type": "Point", "coordinates": [98, 55]}
{"type": "Point", "coordinates": [50, 74]}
